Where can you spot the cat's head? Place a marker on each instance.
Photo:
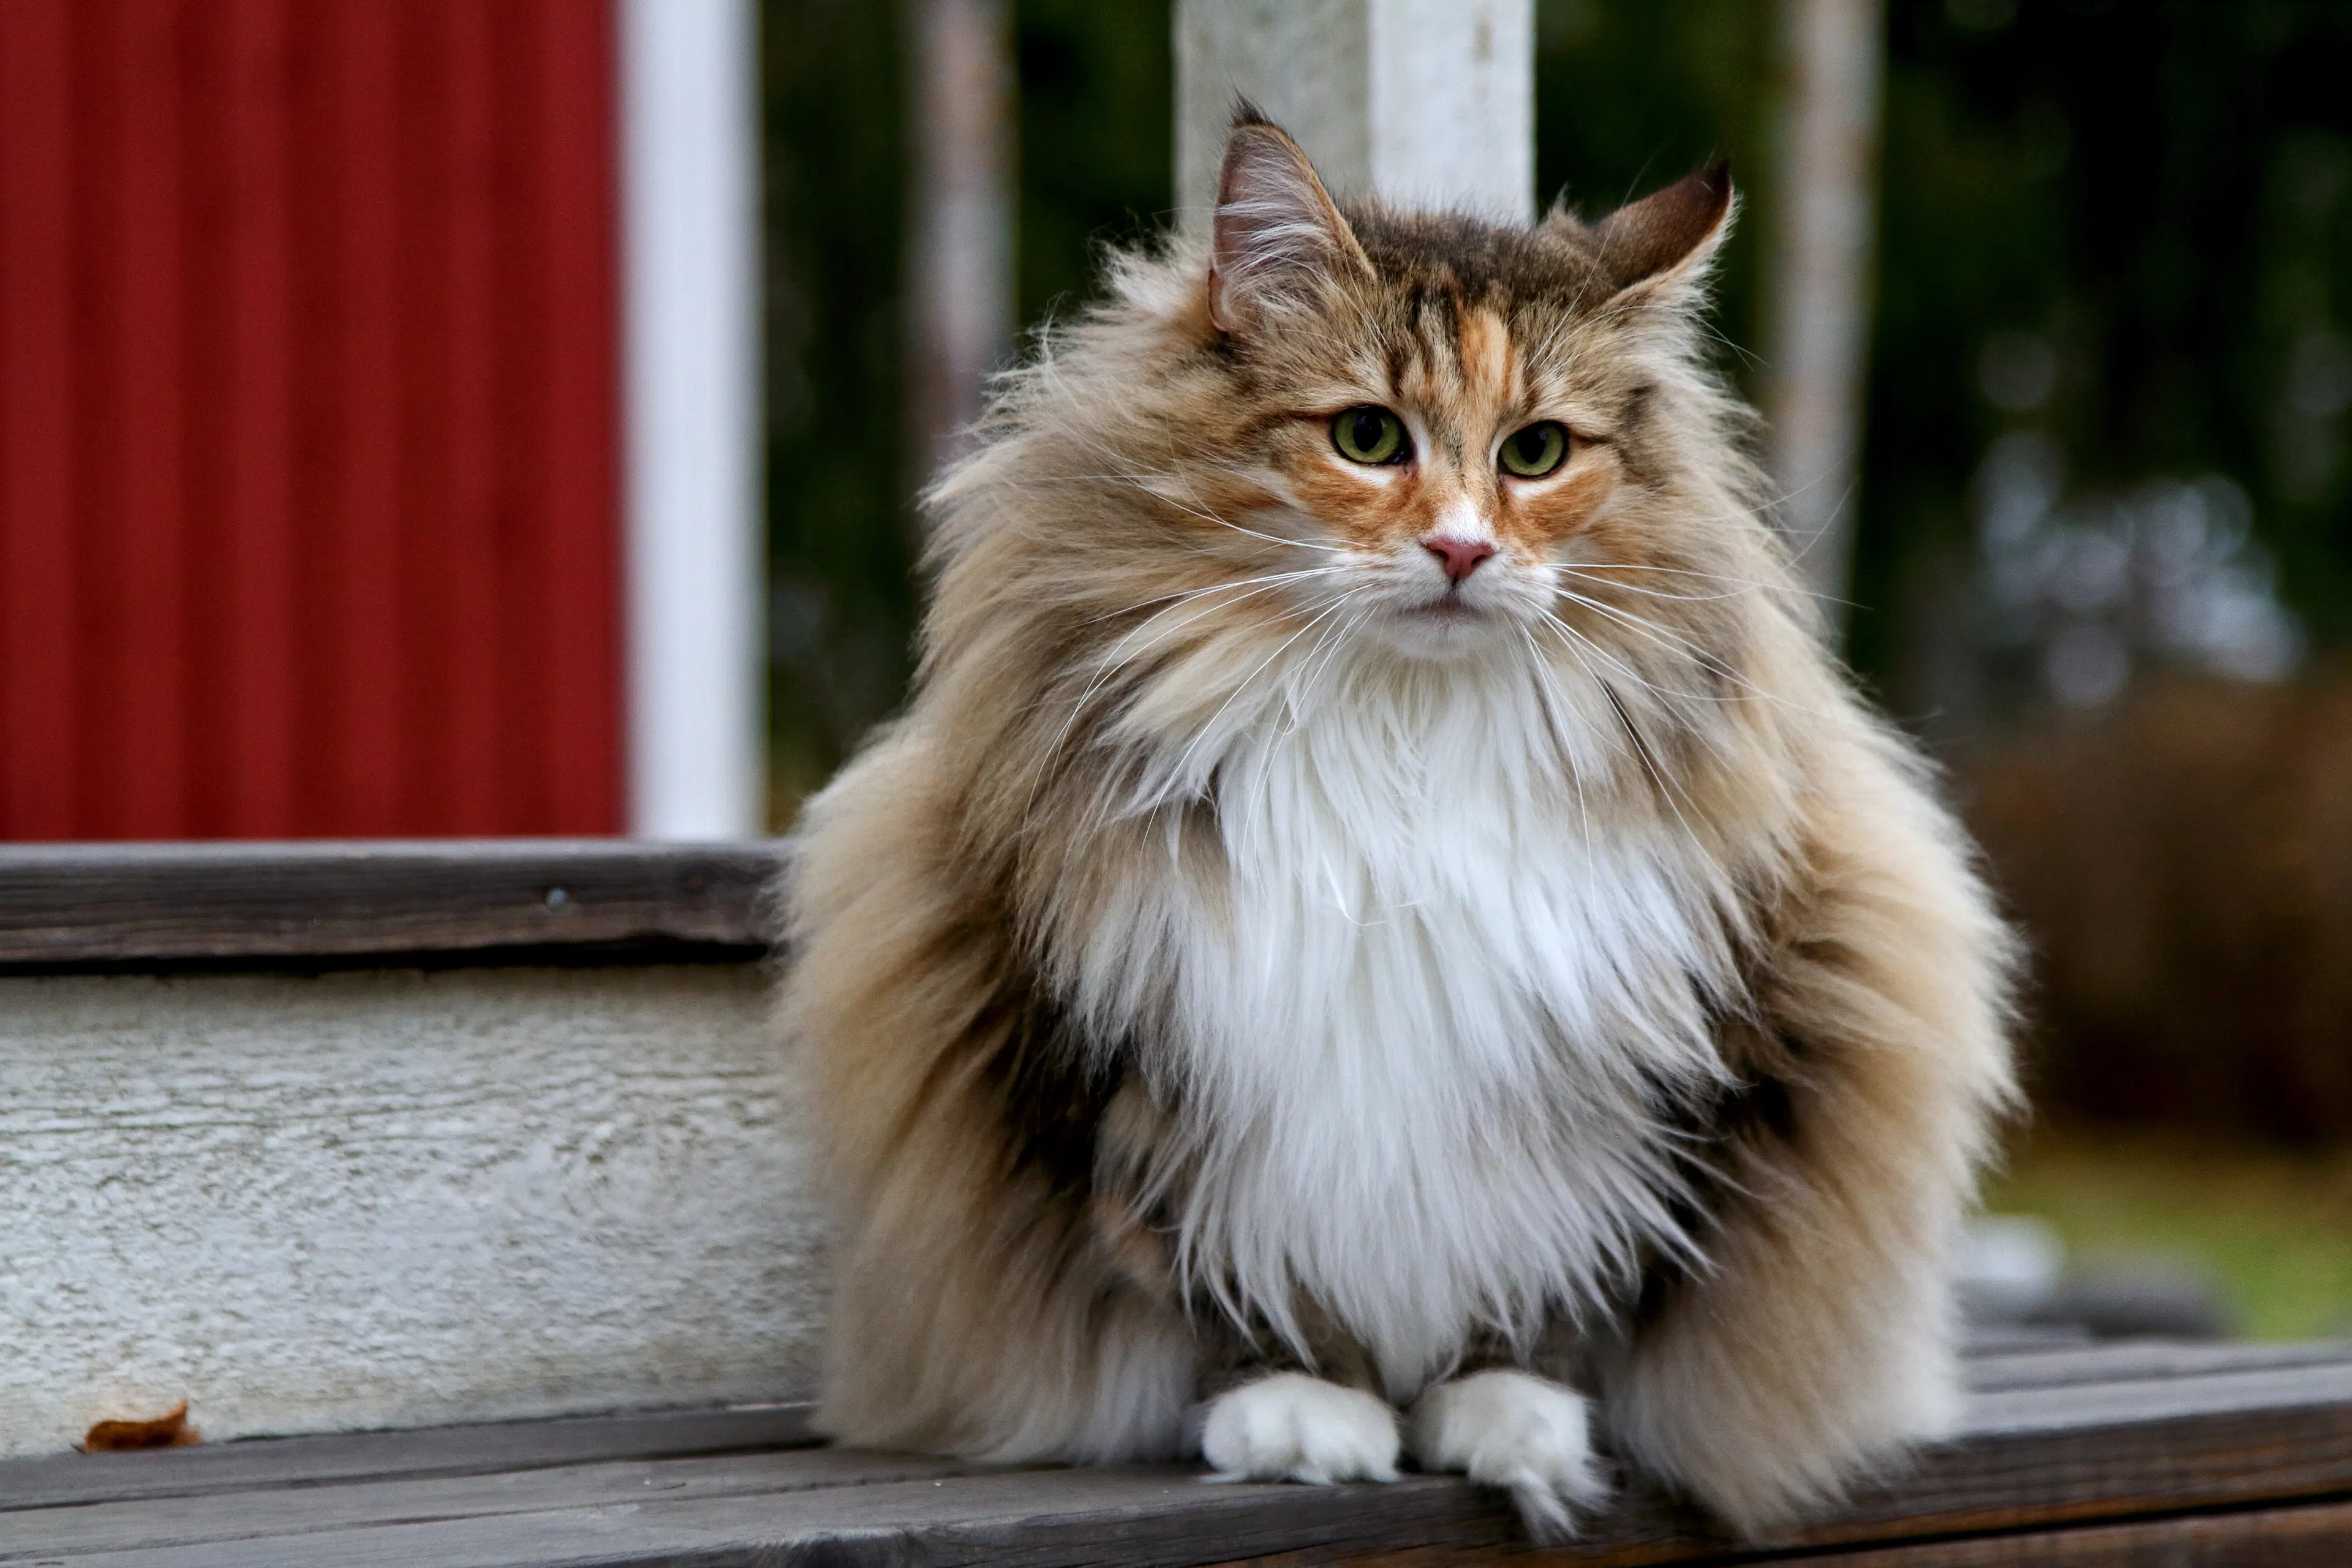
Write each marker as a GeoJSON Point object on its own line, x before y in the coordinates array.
{"type": "Point", "coordinates": [1451, 411]}
{"type": "Point", "coordinates": [1329, 443]}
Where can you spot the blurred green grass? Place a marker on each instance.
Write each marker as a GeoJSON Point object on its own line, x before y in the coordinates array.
{"type": "Point", "coordinates": [2273, 1226]}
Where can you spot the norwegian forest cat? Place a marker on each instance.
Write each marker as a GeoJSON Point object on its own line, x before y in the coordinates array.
{"type": "Point", "coordinates": [1381, 934]}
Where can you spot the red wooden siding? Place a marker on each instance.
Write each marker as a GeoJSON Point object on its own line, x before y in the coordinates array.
{"type": "Point", "coordinates": [309, 423]}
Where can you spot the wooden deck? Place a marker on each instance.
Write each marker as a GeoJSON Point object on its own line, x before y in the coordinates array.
{"type": "Point", "coordinates": [2127, 1454]}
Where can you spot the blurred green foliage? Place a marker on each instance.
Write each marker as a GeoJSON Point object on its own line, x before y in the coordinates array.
{"type": "Point", "coordinates": [2157, 197]}
{"type": "Point", "coordinates": [841, 553]}
{"type": "Point", "coordinates": [1097, 139]}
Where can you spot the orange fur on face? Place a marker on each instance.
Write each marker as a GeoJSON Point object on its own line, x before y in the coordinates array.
{"type": "Point", "coordinates": [1281, 937]}
{"type": "Point", "coordinates": [1465, 357]}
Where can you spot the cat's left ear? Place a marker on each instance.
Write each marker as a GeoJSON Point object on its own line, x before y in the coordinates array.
{"type": "Point", "coordinates": [1278, 239]}
{"type": "Point", "coordinates": [1668, 237]}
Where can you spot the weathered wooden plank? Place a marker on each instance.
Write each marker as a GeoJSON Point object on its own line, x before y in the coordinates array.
{"type": "Point", "coordinates": [2080, 1407]}
{"type": "Point", "coordinates": [2082, 1451]}
{"type": "Point", "coordinates": [69, 905]}
{"type": "Point", "coordinates": [2311, 1536]}
{"type": "Point", "coordinates": [492, 1446]}
{"type": "Point", "coordinates": [2139, 1361]}
{"type": "Point", "coordinates": [1985, 1339]}
{"type": "Point", "coordinates": [2052, 1459]}
{"type": "Point", "coordinates": [1142, 1515]}
{"type": "Point", "coordinates": [235, 1516]}
{"type": "Point", "coordinates": [2317, 1535]}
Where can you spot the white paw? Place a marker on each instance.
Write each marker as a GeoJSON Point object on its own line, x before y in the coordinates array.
{"type": "Point", "coordinates": [1514, 1430]}
{"type": "Point", "coordinates": [1290, 1427]}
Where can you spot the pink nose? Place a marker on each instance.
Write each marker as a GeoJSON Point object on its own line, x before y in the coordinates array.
{"type": "Point", "coordinates": [1461, 556]}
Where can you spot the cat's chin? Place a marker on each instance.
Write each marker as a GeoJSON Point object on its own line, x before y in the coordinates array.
{"type": "Point", "coordinates": [1443, 630]}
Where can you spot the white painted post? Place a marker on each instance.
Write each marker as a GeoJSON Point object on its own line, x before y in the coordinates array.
{"type": "Point", "coordinates": [1822, 248]}
{"type": "Point", "coordinates": [1419, 102]}
{"type": "Point", "coordinates": [689, 110]}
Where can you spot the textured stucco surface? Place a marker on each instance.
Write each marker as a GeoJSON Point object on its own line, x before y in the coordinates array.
{"type": "Point", "coordinates": [389, 1199]}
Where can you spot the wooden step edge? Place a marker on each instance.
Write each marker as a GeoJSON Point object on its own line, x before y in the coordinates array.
{"type": "Point", "coordinates": [334, 903]}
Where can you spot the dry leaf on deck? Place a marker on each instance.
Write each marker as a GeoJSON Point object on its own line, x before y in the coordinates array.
{"type": "Point", "coordinates": [169, 1430]}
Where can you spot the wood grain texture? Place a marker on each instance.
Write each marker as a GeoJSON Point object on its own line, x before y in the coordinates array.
{"type": "Point", "coordinates": [2315, 1536]}
{"type": "Point", "coordinates": [2085, 1450]}
{"type": "Point", "coordinates": [74, 1479]}
{"type": "Point", "coordinates": [2139, 1361]}
{"type": "Point", "coordinates": [235, 1517]}
{"type": "Point", "coordinates": [2245, 1465]}
{"type": "Point", "coordinates": [2296, 1536]}
{"type": "Point", "coordinates": [266, 905]}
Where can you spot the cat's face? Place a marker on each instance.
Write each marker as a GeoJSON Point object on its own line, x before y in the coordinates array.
{"type": "Point", "coordinates": [1442, 415]}
{"type": "Point", "coordinates": [1443, 474]}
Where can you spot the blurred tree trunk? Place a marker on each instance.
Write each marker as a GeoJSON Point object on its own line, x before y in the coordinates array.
{"type": "Point", "coordinates": [1819, 270]}
{"type": "Point", "coordinates": [960, 259]}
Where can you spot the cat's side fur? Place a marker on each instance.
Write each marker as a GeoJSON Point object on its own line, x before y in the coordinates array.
{"type": "Point", "coordinates": [1263, 969]}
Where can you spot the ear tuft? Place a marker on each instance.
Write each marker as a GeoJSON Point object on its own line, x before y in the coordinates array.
{"type": "Point", "coordinates": [1667, 230]}
{"type": "Point", "coordinates": [1277, 235]}
{"type": "Point", "coordinates": [1247, 113]}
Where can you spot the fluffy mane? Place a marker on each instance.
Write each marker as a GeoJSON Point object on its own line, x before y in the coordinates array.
{"type": "Point", "coordinates": [1390, 900]}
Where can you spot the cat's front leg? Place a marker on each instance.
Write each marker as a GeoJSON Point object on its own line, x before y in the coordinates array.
{"type": "Point", "coordinates": [1289, 1427]}
{"type": "Point", "coordinates": [1512, 1429]}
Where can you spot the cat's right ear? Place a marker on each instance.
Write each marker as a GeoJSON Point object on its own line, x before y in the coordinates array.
{"type": "Point", "coordinates": [1663, 245]}
{"type": "Point", "coordinates": [1277, 237]}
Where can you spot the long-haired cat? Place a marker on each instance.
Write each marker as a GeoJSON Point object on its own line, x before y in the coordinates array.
{"type": "Point", "coordinates": [1381, 931]}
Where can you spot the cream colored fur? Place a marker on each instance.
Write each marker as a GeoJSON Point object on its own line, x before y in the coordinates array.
{"type": "Point", "coordinates": [1253, 955]}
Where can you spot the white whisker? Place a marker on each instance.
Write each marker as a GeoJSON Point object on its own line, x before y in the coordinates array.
{"type": "Point", "coordinates": [1185, 762]}
{"type": "Point", "coordinates": [1706, 658]}
{"type": "Point", "coordinates": [1748, 584]}
{"type": "Point", "coordinates": [1111, 661]}
{"type": "Point", "coordinates": [1548, 693]}
{"type": "Point", "coordinates": [1185, 595]}
{"type": "Point", "coordinates": [1701, 731]}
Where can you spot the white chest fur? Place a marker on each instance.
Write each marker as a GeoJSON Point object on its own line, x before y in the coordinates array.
{"type": "Point", "coordinates": [1426, 1044]}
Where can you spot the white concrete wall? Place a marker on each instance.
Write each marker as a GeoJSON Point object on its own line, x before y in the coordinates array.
{"type": "Point", "coordinates": [394, 1199]}
{"type": "Point", "coordinates": [1419, 102]}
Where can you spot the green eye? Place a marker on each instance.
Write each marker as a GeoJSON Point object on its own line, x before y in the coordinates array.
{"type": "Point", "coordinates": [1368, 435]}
{"type": "Point", "coordinates": [1537, 450]}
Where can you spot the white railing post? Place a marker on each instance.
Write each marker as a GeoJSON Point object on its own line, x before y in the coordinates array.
{"type": "Point", "coordinates": [1422, 102]}
{"type": "Point", "coordinates": [694, 557]}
